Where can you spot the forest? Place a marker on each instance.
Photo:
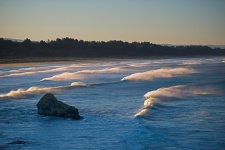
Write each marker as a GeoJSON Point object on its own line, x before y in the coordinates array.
{"type": "Point", "coordinates": [69, 47]}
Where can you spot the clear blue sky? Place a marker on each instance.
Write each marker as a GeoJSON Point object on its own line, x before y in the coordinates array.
{"type": "Point", "coordinates": [156, 21]}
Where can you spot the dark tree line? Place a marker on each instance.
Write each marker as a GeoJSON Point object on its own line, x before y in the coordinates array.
{"type": "Point", "coordinates": [68, 47]}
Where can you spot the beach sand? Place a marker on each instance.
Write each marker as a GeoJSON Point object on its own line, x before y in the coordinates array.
{"type": "Point", "coordinates": [39, 61]}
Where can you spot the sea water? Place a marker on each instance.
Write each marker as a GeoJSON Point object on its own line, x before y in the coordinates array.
{"type": "Point", "coordinates": [126, 104]}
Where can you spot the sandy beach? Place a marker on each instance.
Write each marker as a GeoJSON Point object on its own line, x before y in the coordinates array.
{"type": "Point", "coordinates": [39, 61]}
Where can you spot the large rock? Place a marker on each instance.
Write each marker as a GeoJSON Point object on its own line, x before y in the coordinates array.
{"type": "Point", "coordinates": [50, 106]}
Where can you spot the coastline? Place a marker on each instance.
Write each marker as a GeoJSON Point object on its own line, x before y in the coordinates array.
{"type": "Point", "coordinates": [65, 60]}
{"type": "Point", "coordinates": [52, 60]}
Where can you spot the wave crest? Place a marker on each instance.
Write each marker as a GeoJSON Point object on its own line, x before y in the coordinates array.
{"type": "Point", "coordinates": [159, 73]}
{"type": "Point", "coordinates": [22, 93]}
{"type": "Point", "coordinates": [66, 76]}
{"type": "Point", "coordinates": [179, 91]}
{"type": "Point", "coordinates": [78, 84]}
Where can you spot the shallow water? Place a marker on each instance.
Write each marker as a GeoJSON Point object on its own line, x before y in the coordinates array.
{"type": "Point", "coordinates": [159, 104]}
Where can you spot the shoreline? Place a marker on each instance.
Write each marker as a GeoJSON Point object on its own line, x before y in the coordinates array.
{"type": "Point", "coordinates": [66, 60]}
{"type": "Point", "coordinates": [53, 60]}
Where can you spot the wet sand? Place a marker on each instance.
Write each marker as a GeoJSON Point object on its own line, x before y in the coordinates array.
{"type": "Point", "coordinates": [39, 61]}
{"type": "Point", "coordinates": [54, 60]}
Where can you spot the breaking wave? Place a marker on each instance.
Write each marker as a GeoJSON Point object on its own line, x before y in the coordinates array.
{"type": "Point", "coordinates": [78, 84]}
{"type": "Point", "coordinates": [37, 70]}
{"type": "Point", "coordinates": [191, 62]}
{"type": "Point", "coordinates": [198, 61]}
{"type": "Point", "coordinates": [29, 69]}
{"type": "Point", "coordinates": [18, 74]}
{"type": "Point", "coordinates": [23, 93]}
{"type": "Point", "coordinates": [141, 64]}
{"type": "Point", "coordinates": [159, 73]}
{"type": "Point", "coordinates": [179, 91]}
{"type": "Point", "coordinates": [66, 76]}
{"type": "Point", "coordinates": [35, 90]}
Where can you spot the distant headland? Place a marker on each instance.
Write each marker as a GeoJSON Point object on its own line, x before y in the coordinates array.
{"type": "Point", "coordinates": [69, 47]}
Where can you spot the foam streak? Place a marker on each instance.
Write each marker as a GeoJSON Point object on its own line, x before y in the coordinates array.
{"type": "Point", "coordinates": [66, 76]}
{"type": "Point", "coordinates": [23, 93]}
{"type": "Point", "coordinates": [159, 73]}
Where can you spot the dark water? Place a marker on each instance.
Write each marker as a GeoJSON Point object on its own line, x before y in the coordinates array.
{"type": "Point", "coordinates": [159, 104]}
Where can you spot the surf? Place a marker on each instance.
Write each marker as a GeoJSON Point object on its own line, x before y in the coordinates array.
{"type": "Point", "coordinates": [159, 73]}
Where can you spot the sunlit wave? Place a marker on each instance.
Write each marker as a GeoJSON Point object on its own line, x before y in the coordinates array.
{"type": "Point", "coordinates": [179, 91]}
{"type": "Point", "coordinates": [159, 73]}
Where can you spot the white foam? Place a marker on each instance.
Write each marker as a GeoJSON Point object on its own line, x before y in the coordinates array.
{"type": "Point", "coordinates": [37, 70]}
{"type": "Point", "coordinates": [31, 69]}
{"type": "Point", "coordinates": [60, 69]}
{"type": "Point", "coordinates": [20, 93]}
{"type": "Point", "coordinates": [178, 91]}
{"type": "Point", "coordinates": [174, 91]}
{"type": "Point", "coordinates": [18, 74]}
{"type": "Point", "coordinates": [66, 76]}
{"type": "Point", "coordinates": [159, 73]}
{"type": "Point", "coordinates": [66, 68]}
{"type": "Point", "coordinates": [78, 84]}
{"type": "Point", "coordinates": [40, 90]}
{"type": "Point", "coordinates": [14, 71]}
{"type": "Point", "coordinates": [22, 69]}
{"type": "Point", "coordinates": [23, 93]}
{"type": "Point", "coordinates": [192, 62]}
{"type": "Point", "coordinates": [198, 61]}
{"type": "Point", "coordinates": [54, 70]}
{"type": "Point", "coordinates": [142, 64]}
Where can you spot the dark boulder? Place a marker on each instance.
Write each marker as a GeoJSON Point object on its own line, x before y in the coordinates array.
{"type": "Point", "coordinates": [50, 106]}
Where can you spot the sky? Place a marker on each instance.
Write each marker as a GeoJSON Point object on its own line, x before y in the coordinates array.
{"type": "Point", "coordinates": [156, 21]}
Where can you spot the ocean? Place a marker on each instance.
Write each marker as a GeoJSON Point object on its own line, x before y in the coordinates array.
{"type": "Point", "coordinates": [133, 104]}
